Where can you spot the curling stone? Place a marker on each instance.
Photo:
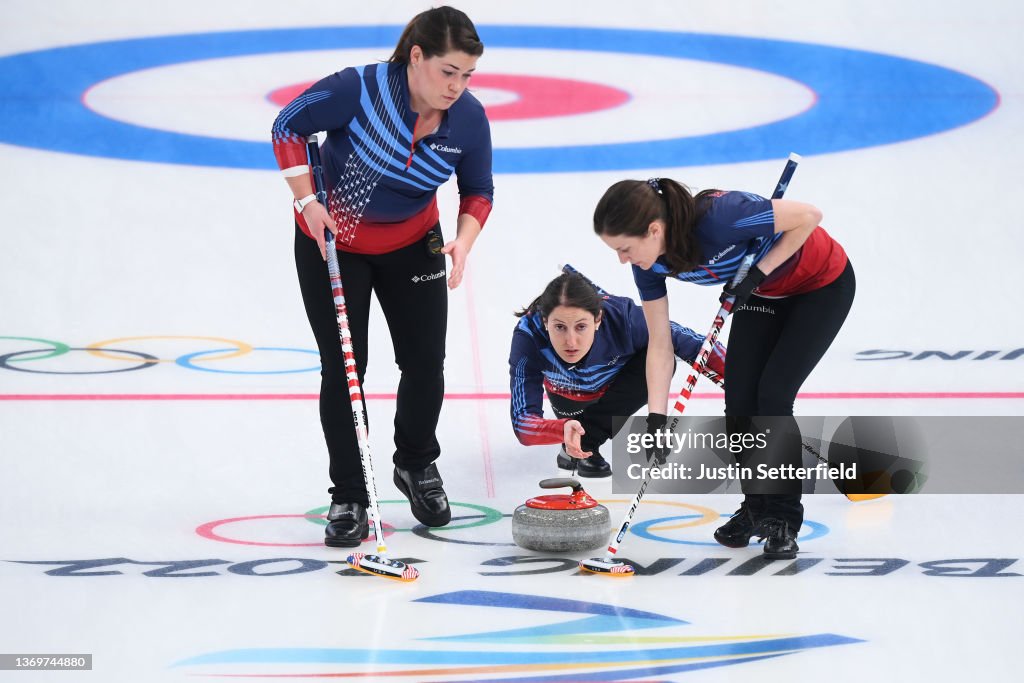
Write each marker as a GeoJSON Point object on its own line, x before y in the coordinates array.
{"type": "Point", "coordinates": [562, 522]}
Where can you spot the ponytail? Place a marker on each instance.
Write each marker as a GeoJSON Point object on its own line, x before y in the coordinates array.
{"type": "Point", "coordinates": [630, 206]}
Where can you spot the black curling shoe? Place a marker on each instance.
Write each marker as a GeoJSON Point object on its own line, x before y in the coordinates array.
{"type": "Point", "coordinates": [737, 531]}
{"type": "Point", "coordinates": [779, 539]}
{"type": "Point", "coordinates": [594, 467]}
{"type": "Point", "coordinates": [347, 525]}
{"type": "Point", "coordinates": [426, 495]}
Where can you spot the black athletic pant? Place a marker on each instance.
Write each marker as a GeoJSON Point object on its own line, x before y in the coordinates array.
{"type": "Point", "coordinates": [627, 393]}
{"type": "Point", "coordinates": [410, 284]}
{"type": "Point", "coordinates": [774, 345]}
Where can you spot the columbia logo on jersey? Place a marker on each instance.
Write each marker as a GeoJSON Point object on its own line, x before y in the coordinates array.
{"type": "Point", "coordinates": [444, 148]}
{"type": "Point", "coordinates": [428, 278]}
{"type": "Point", "coordinates": [714, 259]}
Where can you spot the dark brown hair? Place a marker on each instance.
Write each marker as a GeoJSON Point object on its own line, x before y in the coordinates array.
{"type": "Point", "coordinates": [630, 206]}
{"type": "Point", "coordinates": [438, 31]}
{"type": "Point", "coordinates": [568, 289]}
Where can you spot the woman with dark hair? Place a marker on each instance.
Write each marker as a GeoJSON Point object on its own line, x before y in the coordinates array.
{"type": "Point", "coordinates": [395, 132]}
{"type": "Point", "coordinates": [588, 351]}
{"type": "Point", "coordinates": [786, 312]}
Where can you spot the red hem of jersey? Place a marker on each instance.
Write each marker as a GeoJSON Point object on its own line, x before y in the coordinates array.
{"type": "Point", "coordinates": [382, 238]}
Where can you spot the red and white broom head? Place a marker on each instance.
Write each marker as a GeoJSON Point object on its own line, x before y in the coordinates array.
{"type": "Point", "coordinates": [378, 565]}
{"type": "Point", "coordinates": [607, 567]}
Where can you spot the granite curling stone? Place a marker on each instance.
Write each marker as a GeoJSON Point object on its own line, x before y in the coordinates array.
{"type": "Point", "coordinates": [561, 522]}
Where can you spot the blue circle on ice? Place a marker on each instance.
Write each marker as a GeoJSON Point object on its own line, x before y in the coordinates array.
{"type": "Point", "coordinates": [643, 530]}
{"type": "Point", "coordinates": [863, 98]}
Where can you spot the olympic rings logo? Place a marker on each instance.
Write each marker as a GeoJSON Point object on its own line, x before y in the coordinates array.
{"type": "Point", "coordinates": [32, 360]}
{"type": "Point", "coordinates": [482, 516]}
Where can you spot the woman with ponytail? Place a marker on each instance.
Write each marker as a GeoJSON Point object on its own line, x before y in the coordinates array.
{"type": "Point", "coordinates": [588, 352]}
{"type": "Point", "coordinates": [786, 312]}
{"type": "Point", "coordinates": [396, 131]}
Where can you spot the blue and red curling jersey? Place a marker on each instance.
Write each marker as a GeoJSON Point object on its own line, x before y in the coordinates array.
{"type": "Point", "coordinates": [534, 365]}
{"type": "Point", "coordinates": [737, 224]}
{"type": "Point", "coordinates": [379, 180]}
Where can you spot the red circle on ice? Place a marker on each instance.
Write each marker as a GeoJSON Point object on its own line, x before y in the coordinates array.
{"type": "Point", "coordinates": [536, 96]}
{"type": "Point", "coordinates": [209, 530]}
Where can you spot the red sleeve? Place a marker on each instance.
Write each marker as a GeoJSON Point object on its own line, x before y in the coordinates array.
{"type": "Point", "coordinates": [533, 430]}
{"type": "Point", "coordinates": [476, 206]}
{"type": "Point", "coordinates": [290, 152]}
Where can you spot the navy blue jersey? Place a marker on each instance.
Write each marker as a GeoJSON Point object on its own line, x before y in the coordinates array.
{"type": "Point", "coordinates": [534, 365]}
{"type": "Point", "coordinates": [735, 224]}
{"type": "Point", "coordinates": [374, 171]}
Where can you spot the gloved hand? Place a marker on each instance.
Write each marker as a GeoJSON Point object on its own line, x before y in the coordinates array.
{"type": "Point", "coordinates": [656, 455]}
{"type": "Point", "coordinates": [744, 289]}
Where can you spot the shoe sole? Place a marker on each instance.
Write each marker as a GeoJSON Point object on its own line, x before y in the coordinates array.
{"type": "Point", "coordinates": [432, 522]}
{"type": "Point", "coordinates": [780, 556]}
{"type": "Point", "coordinates": [337, 543]}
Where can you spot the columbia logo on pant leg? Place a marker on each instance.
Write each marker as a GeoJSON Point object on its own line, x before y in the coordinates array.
{"type": "Point", "coordinates": [428, 278]}
{"type": "Point", "coordinates": [757, 309]}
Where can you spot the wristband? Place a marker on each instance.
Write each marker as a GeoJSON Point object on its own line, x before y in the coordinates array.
{"type": "Point", "coordinates": [301, 204]}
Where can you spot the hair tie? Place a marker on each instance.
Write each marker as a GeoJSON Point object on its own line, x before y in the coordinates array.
{"type": "Point", "coordinates": [655, 185]}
